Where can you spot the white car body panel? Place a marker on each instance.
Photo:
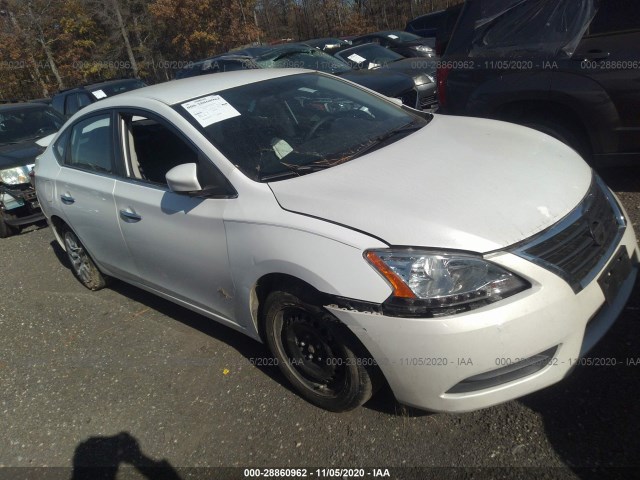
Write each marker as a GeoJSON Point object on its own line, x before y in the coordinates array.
{"type": "Point", "coordinates": [449, 196]}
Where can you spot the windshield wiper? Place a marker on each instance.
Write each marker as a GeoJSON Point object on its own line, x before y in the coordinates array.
{"type": "Point", "coordinates": [380, 140]}
{"type": "Point", "coordinates": [294, 171]}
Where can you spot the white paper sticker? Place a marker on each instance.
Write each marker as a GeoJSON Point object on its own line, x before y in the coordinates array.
{"type": "Point", "coordinates": [281, 148]}
{"type": "Point", "coordinates": [395, 37]}
{"type": "Point", "coordinates": [308, 90]}
{"type": "Point", "coordinates": [354, 57]}
{"type": "Point", "coordinates": [99, 94]}
{"type": "Point", "coordinates": [372, 66]}
{"type": "Point", "coordinates": [211, 109]}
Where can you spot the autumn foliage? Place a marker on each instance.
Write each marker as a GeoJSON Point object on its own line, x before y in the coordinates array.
{"type": "Point", "coordinates": [47, 45]}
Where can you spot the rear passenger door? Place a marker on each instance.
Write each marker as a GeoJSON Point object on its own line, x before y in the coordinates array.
{"type": "Point", "coordinates": [84, 190]}
{"type": "Point", "coordinates": [177, 241]}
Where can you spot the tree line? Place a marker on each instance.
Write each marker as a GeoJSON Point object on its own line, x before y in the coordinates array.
{"type": "Point", "coordinates": [49, 45]}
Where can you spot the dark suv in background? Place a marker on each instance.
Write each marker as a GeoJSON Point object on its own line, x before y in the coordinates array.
{"type": "Point", "coordinates": [69, 101]}
{"type": "Point", "coordinates": [569, 68]}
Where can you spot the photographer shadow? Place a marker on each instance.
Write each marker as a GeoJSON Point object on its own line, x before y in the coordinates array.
{"type": "Point", "coordinates": [100, 458]}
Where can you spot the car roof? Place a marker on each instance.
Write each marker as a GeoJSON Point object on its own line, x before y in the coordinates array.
{"type": "Point", "coordinates": [92, 86]}
{"type": "Point", "coordinates": [177, 91]}
{"type": "Point", "coordinates": [22, 106]}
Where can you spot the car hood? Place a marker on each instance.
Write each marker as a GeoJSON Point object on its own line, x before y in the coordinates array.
{"type": "Point", "coordinates": [458, 183]}
{"type": "Point", "coordinates": [386, 82]}
{"type": "Point", "coordinates": [428, 42]}
{"type": "Point", "coordinates": [20, 154]}
{"type": "Point", "coordinates": [411, 66]}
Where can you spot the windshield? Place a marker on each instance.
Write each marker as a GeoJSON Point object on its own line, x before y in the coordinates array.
{"type": "Point", "coordinates": [369, 55]}
{"type": "Point", "coordinates": [310, 58]}
{"type": "Point", "coordinates": [547, 27]}
{"type": "Point", "coordinates": [20, 124]}
{"type": "Point", "coordinates": [297, 124]}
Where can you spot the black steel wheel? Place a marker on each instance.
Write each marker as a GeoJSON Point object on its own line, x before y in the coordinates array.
{"type": "Point", "coordinates": [82, 265]}
{"type": "Point", "coordinates": [318, 355]}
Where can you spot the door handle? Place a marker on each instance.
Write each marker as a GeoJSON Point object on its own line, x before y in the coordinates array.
{"type": "Point", "coordinates": [592, 55]}
{"type": "Point", "coordinates": [129, 215]}
{"type": "Point", "coordinates": [67, 199]}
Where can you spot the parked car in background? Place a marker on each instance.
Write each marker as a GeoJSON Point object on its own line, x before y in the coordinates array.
{"type": "Point", "coordinates": [570, 69]}
{"type": "Point", "coordinates": [466, 262]}
{"type": "Point", "coordinates": [69, 101]}
{"type": "Point", "coordinates": [387, 82]}
{"type": "Point", "coordinates": [372, 57]}
{"type": "Point", "coordinates": [22, 126]}
{"type": "Point", "coordinates": [436, 25]}
{"type": "Point", "coordinates": [328, 45]}
{"type": "Point", "coordinates": [404, 43]}
{"type": "Point", "coordinates": [220, 63]}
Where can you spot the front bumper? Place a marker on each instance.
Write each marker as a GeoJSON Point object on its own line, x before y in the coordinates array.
{"type": "Point", "coordinates": [426, 360]}
{"type": "Point", "coordinates": [21, 205]}
{"type": "Point", "coordinates": [427, 96]}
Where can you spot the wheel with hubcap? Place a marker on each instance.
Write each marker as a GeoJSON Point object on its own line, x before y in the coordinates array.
{"type": "Point", "coordinates": [318, 355]}
{"type": "Point", "coordinates": [83, 267]}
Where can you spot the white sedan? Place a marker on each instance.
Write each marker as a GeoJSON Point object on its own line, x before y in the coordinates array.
{"type": "Point", "coordinates": [465, 262]}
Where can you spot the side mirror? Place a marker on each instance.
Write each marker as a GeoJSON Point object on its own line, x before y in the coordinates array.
{"type": "Point", "coordinates": [183, 178]}
{"type": "Point", "coordinates": [397, 101]}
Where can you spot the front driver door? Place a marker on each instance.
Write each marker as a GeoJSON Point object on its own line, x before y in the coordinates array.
{"type": "Point", "coordinates": [177, 241]}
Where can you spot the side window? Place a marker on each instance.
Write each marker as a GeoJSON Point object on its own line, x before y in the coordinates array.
{"type": "Point", "coordinates": [60, 147]}
{"type": "Point", "coordinates": [83, 100]}
{"type": "Point", "coordinates": [71, 105]}
{"type": "Point", "coordinates": [91, 146]}
{"type": "Point", "coordinates": [616, 16]}
{"type": "Point", "coordinates": [153, 149]}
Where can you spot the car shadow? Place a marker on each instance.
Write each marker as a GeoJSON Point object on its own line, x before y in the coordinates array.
{"type": "Point", "coordinates": [250, 349]}
{"type": "Point", "coordinates": [100, 458]}
{"type": "Point", "coordinates": [592, 417]}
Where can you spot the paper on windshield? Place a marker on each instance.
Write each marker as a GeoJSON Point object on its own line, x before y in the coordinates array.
{"type": "Point", "coordinates": [395, 37]}
{"type": "Point", "coordinates": [210, 109]}
{"type": "Point", "coordinates": [354, 57]}
{"type": "Point", "coordinates": [99, 94]}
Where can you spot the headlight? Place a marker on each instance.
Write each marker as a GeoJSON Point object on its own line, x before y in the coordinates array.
{"type": "Point", "coordinates": [423, 48]}
{"type": "Point", "coordinates": [436, 284]}
{"type": "Point", "coordinates": [422, 79]}
{"type": "Point", "coordinates": [15, 176]}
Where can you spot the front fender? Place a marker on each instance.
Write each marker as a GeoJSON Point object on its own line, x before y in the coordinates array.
{"type": "Point", "coordinates": [330, 266]}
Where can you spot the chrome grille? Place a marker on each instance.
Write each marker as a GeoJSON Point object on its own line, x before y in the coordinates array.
{"type": "Point", "coordinates": [428, 101]}
{"type": "Point", "coordinates": [577, 247]}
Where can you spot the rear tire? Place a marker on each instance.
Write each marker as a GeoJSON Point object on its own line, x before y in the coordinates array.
{"type": "Point", "coordinates": [81, 263]}
{"type": "Point", "coordinates": [319, 356]}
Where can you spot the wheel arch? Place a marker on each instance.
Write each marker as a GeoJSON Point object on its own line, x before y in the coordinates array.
{"type": "Point", "coordinates": [271, 282]}
{"type": "Point", "coordinates": [524, 111]}
{"type": "Point", "coordinates": [58, 225]}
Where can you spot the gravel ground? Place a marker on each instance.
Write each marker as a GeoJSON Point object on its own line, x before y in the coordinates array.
{"type": "Point", "coordinates": [121, 376]}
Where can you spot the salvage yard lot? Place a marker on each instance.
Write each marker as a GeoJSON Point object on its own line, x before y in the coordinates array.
{"type": "Point", "coordinates": [75, 365]}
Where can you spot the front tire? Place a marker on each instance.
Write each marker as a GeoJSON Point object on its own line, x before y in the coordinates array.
{"type": "Point", "coordinates": [318, 355]}
{"type": "Point", "coordinates": [5, 229]}
{"type": "Point", "coordinates": [81, 264]}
